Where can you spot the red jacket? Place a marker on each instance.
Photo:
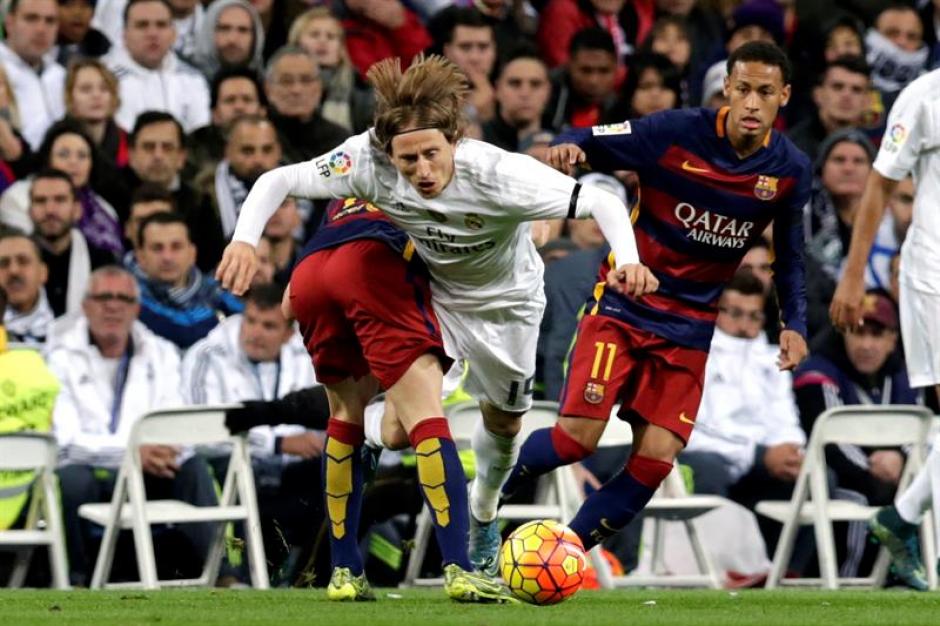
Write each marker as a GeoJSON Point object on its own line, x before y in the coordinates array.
{"type": "Point", "coordinates": [561, 19]}
{"type": "Point", "coordinates": [369, 42]}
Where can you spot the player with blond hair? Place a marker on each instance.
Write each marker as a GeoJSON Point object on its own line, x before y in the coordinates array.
{"type": "Point", "coordinates": [466, 206]}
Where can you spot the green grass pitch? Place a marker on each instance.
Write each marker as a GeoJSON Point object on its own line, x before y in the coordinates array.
{"type": "Point", "coordinates": [429, 606]}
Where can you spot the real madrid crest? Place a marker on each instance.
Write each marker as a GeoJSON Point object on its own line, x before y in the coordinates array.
{"type": "Point", "coordinates": [766, 187]}
{"type": "Point", "coordinates": [437, 216]}
{"type": "Point", "coordinates": [594, 393]}
{"type": "Point", "coordinates": [473, 221]}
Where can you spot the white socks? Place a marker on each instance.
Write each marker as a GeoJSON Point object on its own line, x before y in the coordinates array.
{"type": "Point", "coordinates": [495, 458]}
{"type": "Point", "coordinates": [372, 424]}
{"type": "Point", "coordinates": [923, 490]}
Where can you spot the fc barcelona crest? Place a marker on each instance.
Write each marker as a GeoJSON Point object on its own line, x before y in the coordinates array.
{"type": "Point", "coordinates": [766, 187]}
{"type": "Point", "coordinates": [594, 393]}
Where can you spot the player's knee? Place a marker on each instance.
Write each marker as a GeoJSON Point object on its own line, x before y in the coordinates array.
{"type": "Point", "coordinates": [394, 436]}
{"type": "Point", "coordinates": [658, 443]}
{"type": "Point", "coordinates": [586, 432]}
{"type": "Point", "coordinates": [648, 471]}
{"type": "Point", "coordinates": [568, 448]}
{"type": "Point", "coordinates": [501, 423]}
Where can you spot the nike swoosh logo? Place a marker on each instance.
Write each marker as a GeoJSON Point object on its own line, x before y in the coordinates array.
{"type": "Point", "coordinates": [606, 526]}
{"type": "Point", "coordinates": [685, 419]}
{"type": "Point", "coordinates": [696, 170]}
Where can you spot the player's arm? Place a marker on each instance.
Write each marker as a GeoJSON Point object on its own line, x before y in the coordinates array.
{"type": "Point", "coordinates": [900, 148]}
{"type": "Point", "coordinates": [613, 218]}
{"type": "Point", "coordinates": [312, 179]}
{"type": "Point", "coordinates": [846, 307]}
{"type": "Point", "coordinates": [533, 191]}
{"type": "Point", "coordinates": [790, 276]}
{"type": "Point", "coordinates": [625, 146]}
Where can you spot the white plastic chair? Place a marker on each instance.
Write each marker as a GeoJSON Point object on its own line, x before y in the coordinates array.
{"type": "Point", "coordinates": [556, 497]}
{"type": "Point", "coordinates": [671, 503]}
{"type": "Point", "coordinates": [875, 426]}
{"type": "Point", "coordinates": [130, 509]}
{"type": "Point", "coordinates": [36, 452]}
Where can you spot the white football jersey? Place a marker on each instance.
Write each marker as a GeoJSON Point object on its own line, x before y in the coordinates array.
{"type": "Point", "coordinates": [474, 236]}
{"type": "Point", "coordinates": [911, 145]}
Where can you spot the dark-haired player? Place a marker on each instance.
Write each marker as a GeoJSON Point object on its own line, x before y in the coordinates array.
{"type": "Point", "coordinates": [710, 183]}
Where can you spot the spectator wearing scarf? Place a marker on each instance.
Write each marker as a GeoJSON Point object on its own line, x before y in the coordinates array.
{"type": "Point", "coordinates": [178, 302]}
{"type": "Point", "coordinates": [896, 51]}
{"type": "Point", "coordinates": [68, 147]}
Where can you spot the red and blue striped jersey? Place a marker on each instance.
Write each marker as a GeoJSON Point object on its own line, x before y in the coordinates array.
{"type": "Point", "coordinates": [700, 207]}
{"type": "Point", "coordinates": [349, 219]}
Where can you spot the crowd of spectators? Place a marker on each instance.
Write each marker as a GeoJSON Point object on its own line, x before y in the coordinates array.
{"type": "Point", "coordinates": [132, 130]}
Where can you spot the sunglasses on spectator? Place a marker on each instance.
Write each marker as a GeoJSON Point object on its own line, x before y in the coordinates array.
{"type": "Point", "coordinates": [107, 296]}
{"type": "Point", "coordinates": [735, 313]}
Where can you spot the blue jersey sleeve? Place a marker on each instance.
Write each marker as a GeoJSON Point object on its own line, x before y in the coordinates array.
{"type": "Point", "coordinates": [630, 145]}
{"type": "Point", "coordinates": [788, 266]}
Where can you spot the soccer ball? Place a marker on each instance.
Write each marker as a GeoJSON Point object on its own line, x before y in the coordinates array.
{"type": "Point", "coordinates": [542, 562]}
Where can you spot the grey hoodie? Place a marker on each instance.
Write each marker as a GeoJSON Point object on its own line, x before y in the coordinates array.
{"type": "Point", "coordinates": [206, 58]}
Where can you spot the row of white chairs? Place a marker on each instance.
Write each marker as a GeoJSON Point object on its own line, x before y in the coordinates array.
{"type": "Point", "coordinates": [129, 507]}
{"type": "Point", "coordinates": [558, 497]}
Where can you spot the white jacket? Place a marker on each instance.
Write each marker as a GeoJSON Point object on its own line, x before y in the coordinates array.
{"type": "Point", "coordinates": [82, 416]}
{"type": "Point", "coordinates": [215, 370]}
{"type": "Point", "coordinates": [109, 19]}
{"type": "Point", "coordinates": [40, 96]}
{"type": "Point", "coordinates": [746, 402]}
{"type": "Point", "coordinates": [175, 87]}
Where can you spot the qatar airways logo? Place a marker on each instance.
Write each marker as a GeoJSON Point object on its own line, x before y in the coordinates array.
{"type": "Point", "coordinates": [713, 229]}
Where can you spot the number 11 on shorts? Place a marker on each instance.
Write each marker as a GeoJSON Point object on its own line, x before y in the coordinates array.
{"type": "Point", "coordinates": [599, 348]}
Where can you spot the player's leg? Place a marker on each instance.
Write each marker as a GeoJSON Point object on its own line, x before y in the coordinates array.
{"type": "Point", "coordinates": [619, 501]}
{"type": "Point", "coordinates": [499, 347]}
{"type": "Point", "coordinates": [338, 361]}
{"type": "Point", "coordinates": [598, 366]}
{"type": "Point", "coordinates": [896, 526]}
{"type": "Point", "coordinates": [382, 431]}
{"type": "Point", "coordinates": [401, 341]}
{"type": "Point", "coordinates": [663, 400]}
{"type": "Point", "coordinates": [416, 397]}
{"type": "Point", "coordinates": [343, 485]}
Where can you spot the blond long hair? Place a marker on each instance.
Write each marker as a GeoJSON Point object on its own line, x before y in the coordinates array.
{"type": "Point", "coordinates": [300, 23]}
{"type": "Point", "coordinates": [429, 94]}
{"type": "Point", "coordinates": [110, 82]}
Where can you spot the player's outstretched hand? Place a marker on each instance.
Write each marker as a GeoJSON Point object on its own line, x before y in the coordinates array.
{"type": "Point", "coordinates": [846, 307]}
{"type": "Point", "coordinates": [238, 267]}
{"type": "Point", "coordinates": [792, 350]}
{"type": "Point", "coordinates": [565, 157]}
{"type": "Point", "coordinates": [633, 279]}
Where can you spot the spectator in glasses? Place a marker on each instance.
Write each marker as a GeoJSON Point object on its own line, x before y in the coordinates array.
{"type": "Point", "coordinates": [113, 371]}
{"type": "Point", "coordinates": [748, 440]}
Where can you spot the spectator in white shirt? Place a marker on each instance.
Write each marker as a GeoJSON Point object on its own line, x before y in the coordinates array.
{"type": "Point", "coordinates": [38, 84]}
{"type": "Point", "coordinates": [113, 371]}
{"type": "Point", "coordinates": [150, 74]}
{"type": "Point", "coordinates": [260, 356]}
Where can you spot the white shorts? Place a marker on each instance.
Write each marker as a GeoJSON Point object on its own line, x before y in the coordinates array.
{"type": "Point", "coordinates": [920, 331]}
{"type": "Point", "coordinates": [499, 347]}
